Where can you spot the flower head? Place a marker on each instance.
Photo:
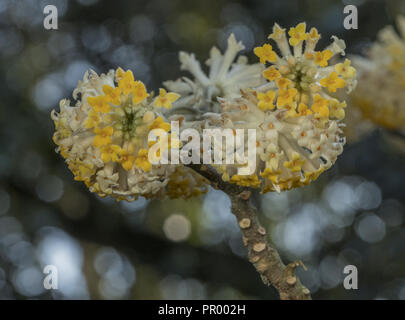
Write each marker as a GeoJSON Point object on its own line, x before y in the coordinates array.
{"type": "Point", "coordinates": [165, 99]}
{"type": "Point", "coordinates": [303, 74]}
{"type": "Point", "coordinates": [297, 120]}
{"type": "Point", "coordinates": [104, 137]}
{"type": "Point", "coordinates": [380, 95]}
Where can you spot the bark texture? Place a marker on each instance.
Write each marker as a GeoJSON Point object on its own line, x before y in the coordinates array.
{"type": "Point", "coordinates": [261, 252]}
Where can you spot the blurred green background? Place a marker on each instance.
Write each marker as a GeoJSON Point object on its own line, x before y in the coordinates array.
{"type": "Point", "coordinates": [353, 214]}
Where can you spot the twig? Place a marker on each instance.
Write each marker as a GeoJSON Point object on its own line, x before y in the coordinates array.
{"type": "Point", "coordinates": [261, 252]}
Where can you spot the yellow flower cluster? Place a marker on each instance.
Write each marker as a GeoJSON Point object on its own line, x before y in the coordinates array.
{"type": "Point", "coordinates": [296, 114]}
{"type": "Point", "coordinates": [302, 80]}
{"type": "Point", "coordinates": [380, 95]}
{"type": "Point", "coordinates": [104, 138]}
{"type": "Point", "coordinates": [120, 123]}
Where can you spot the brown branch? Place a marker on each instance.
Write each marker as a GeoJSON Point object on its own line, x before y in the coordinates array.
{"type": "Point", "coordinates": [261, 252]}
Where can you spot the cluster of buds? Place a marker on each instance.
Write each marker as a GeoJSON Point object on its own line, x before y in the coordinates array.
{"type": "Point", "coordinates": [381, 93]}
{"type": "Point", "coordinates": [292, 105]}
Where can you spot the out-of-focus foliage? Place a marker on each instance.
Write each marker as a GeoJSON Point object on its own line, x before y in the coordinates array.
{"type": "Point", "coordinates": [353, 214]}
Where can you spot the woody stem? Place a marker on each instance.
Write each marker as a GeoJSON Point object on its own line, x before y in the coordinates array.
{"type": "Point", "coordinates": [261, 252]}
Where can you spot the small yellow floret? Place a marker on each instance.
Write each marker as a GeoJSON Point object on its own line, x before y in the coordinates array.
{"type": "Point", "coordinates": [322, 57]}
{"type": "Point", "coordinates": [266, 100]}
{"type": "Point", "coordinates": [159, 123]}
{"type": "Point", "coordinates": [99, 103]}
{"type": "Point", "coordinates": [272, 175]}
{"type": "Point", "coordinates": [103, 136]}
{"type": "Point", "coordinates": [345, 69]}
{"type": "Point", "coordinates": [127, 160]}
{"type": "Point", "coordinates": [286, 97]}
{"type": "Point", "coordinates": [297, 34]}
{"type": "Point", "coordinates": [283, 83]}
{"type": "Point", "coordinates": [320, 106]}
{"type": "Point", "coordinates": [333, 82]}
{"type": "Point", "coordinates": [291, 110]}
{"type": "Point", "coordinates": [296, 163]}
{"type": "Point", "coordinates": [110, 153]}
{"type": "Point", "coordinates": [313, 34]}
{"type": "Point", "coordinates": [278, 32]}
{"type": "Point", "coordinates": [92, 120]}
{"type": "Point", "coordinates": [112, 93]}
{"type": "Point", "coordinates": [142, 161]}
{"type": "Point", "coordinates": [119, 74]}
{"type": "Point", "coordinates": [337, 109]}
{"type": "Point", "coordinates": [271, 73]}
{"type": "Point", "coordinates": [139, 92]}
{"type": "Point", "coordinates": [303, 110]}
{"type": "Point", "coordinates": [265, 53]}
{"type": "Point", "coordinates": [165, 99]}
{"type": "Point", "coordinates": [126, 84]}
